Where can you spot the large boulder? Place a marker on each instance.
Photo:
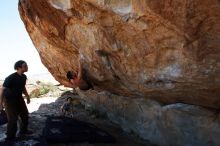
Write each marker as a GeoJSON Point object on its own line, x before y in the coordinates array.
{"type": "Point", "coordinates": [157, 60]}
{"type": "Point", "coordinates": [168, 51]}
{"type": "Point", "coordinates": [165, 125]}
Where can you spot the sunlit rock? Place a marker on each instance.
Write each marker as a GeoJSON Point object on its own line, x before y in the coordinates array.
{"type": "Point", "coordinates": [166, 51]}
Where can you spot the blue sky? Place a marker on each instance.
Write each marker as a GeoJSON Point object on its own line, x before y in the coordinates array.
{"type": "Point", "coordinates": [15, 44]}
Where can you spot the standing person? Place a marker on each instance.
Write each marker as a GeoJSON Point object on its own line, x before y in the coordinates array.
{"type": "Point", "coordinates": [13, 87]}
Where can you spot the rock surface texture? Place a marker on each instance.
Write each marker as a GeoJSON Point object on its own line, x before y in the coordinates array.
{"type": "Point", "coordinates": [167, 51]}
{"type": "Point", "coordinates": [169, 125]}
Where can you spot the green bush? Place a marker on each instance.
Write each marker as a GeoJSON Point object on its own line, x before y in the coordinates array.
{"type": "Point", "coordinates": [42, 89]}
{"type": "Point", "coordinates": [39, 91]}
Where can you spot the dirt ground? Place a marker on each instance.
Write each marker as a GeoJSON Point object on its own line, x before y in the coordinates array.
{"type": "Point", "coordinates": [40, 108]}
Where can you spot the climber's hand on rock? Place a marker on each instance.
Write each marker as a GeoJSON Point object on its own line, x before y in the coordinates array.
{"type": "Point", "coordinates": [81, 57]}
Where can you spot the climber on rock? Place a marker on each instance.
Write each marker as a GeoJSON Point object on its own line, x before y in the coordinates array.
{"type": "Point", "coordinates": [79, 78]}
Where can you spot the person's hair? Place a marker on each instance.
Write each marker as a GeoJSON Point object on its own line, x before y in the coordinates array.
{"type": "Point", "coordinates": [70, 75]}
{"type": "Point", "coordinates": [18, 64]}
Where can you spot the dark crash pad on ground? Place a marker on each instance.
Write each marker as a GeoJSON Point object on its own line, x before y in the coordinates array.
{"type": "Point", "coordinates": [69, 130]}
{"type": "Point", "coordinates": [25, 142]}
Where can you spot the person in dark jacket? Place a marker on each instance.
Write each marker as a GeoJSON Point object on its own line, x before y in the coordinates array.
{"type": "Point", "coordinates": [11, 92]}
{"type": "Point", "coordinates": [67, 108]}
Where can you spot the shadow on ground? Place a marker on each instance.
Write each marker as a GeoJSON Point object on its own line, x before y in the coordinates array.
{"type": "Point", "coordinates": [81, 113]}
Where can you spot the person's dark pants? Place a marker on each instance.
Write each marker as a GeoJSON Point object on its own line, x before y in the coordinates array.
{"type": "Point", "coordinates": [15, 109]}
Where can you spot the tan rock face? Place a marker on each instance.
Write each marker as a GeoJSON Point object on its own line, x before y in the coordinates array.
{"type": "Point", "coordinates": [166, 50]}
{"type": "Point", "coordinates": [170, 125]}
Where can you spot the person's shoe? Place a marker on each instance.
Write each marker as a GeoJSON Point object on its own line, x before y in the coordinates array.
{"type": "Point", "coordinates": [20, 135]}
{"type": "Point", "coordinates": [24, 133]}
{"type": "Point", "coordinates": [9, 139]}
{"type": "Point", "coordinates": [29, 132]}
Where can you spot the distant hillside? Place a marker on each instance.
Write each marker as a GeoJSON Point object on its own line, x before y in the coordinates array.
{"type": "Point", "coordinates": [45, 77]}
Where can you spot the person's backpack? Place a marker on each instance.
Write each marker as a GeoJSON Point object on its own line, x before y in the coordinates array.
{"type": "Point", "coordinates": [3, 117]}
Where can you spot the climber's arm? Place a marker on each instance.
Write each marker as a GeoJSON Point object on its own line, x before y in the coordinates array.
{"type": "Point", "coordinates": [73, 83]}
{"type": "Point", "coordinates": [79, 75]}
